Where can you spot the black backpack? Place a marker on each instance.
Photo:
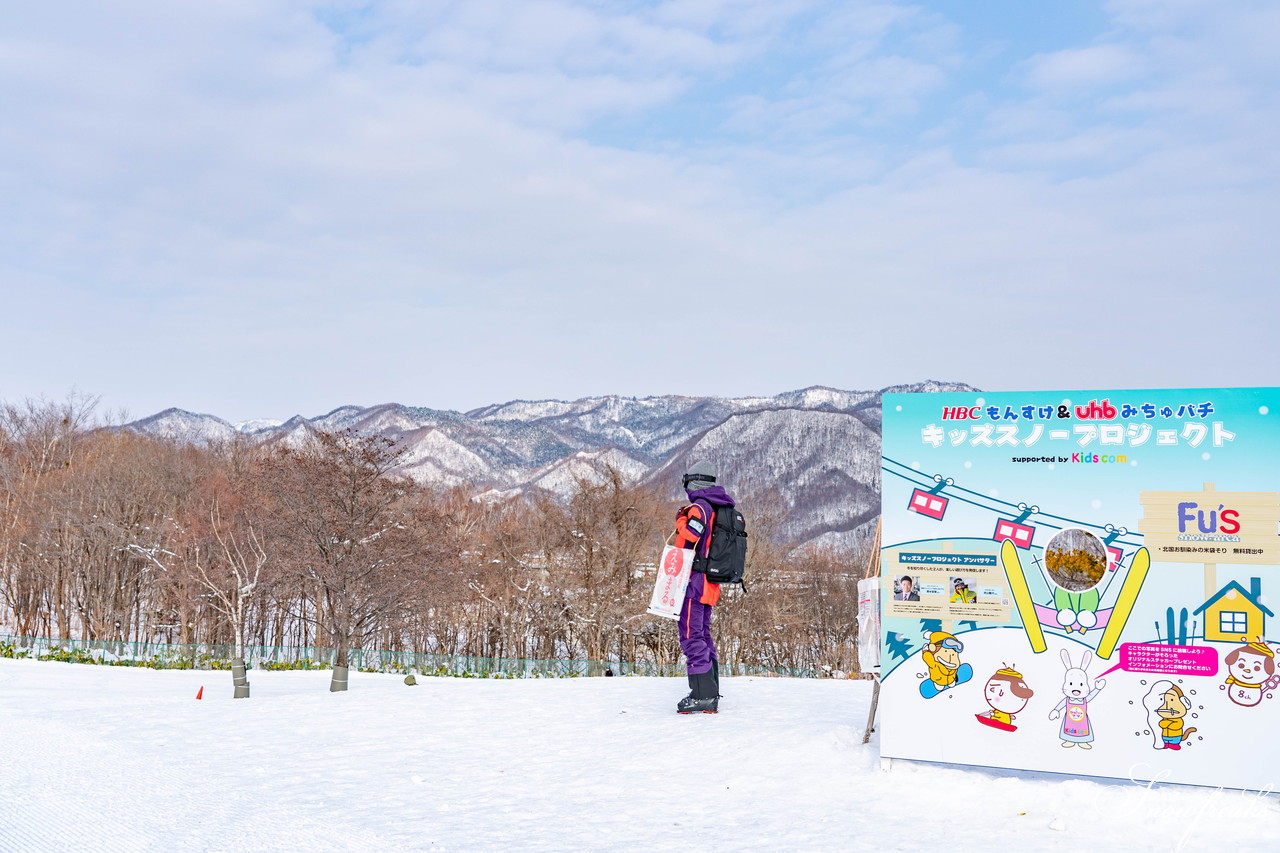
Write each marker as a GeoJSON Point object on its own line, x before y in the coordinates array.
{"type": "Point", "coordinates": [726, 557]}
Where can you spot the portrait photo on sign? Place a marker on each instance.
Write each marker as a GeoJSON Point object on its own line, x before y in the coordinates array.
{"type": "Point", "coordinates": [963, 591]}
{"type": "Point", "coordinates": [906, 588]}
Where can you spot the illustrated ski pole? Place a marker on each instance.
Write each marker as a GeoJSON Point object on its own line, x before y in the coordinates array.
{"type": "Point", "coordinates": [1124, 604]}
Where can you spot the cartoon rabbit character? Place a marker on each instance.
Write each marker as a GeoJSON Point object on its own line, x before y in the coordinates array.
{"type": "Point", "coordinates": [1076, 729]}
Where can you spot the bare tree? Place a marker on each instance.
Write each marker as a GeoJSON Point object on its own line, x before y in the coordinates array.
{"type": "Point", "coordinates": [111, 535]}
{"type": "Point", "coordinates": [39, 440]}
{"type": "Point", "coordinates": [369, 542]}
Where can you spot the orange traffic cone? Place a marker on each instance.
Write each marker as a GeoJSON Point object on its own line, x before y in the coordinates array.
{"type": "Point", "coordinates": [200, 692]}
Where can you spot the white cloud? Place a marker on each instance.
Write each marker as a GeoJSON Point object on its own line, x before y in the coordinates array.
{"type": "Point", "coordinates": [244, 207]}
{"type": "Point", "coordinates": [1087, 67]}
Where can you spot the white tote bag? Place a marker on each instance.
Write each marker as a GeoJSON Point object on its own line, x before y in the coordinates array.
{"type": "Point", "coordinates": [670, 584]}
{"type": "Point", "coordinates": [869, 624]}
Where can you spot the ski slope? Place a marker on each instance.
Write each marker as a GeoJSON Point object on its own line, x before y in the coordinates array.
{"type": "Point", "coordinates": [102, 758]}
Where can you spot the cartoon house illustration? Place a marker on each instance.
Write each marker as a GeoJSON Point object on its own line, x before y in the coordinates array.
{"type": "Point", "coordinates": [1234, 613]}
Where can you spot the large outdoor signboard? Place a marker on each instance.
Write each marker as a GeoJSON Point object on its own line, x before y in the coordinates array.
{"type": "Point", "coordinates": [1083, 582]}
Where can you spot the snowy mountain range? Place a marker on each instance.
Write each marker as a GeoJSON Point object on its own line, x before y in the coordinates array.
{"type": "Point", "coordinates": [815, 451]}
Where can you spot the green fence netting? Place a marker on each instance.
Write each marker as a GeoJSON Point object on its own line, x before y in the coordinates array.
{"type": "Point", "coordinates": [219, 656]}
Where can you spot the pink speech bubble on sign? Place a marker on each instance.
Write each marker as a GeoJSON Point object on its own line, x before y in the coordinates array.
{"type": "Point", "coordinates": [1167, 660]}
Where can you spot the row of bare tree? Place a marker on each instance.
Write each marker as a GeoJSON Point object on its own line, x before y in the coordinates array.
{"type": "Point", "coordinates": [107, 534]}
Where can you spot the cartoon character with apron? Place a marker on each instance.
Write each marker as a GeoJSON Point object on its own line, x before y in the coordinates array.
{"type": "Point", "coordinates": [1076, 729]}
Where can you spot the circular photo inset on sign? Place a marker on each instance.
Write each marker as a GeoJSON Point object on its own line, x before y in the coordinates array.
{"type": "Point", "coordinates": [1076, 559]}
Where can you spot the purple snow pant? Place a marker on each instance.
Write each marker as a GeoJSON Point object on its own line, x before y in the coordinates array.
{"type": "Point", "coordinates": [695, 636]}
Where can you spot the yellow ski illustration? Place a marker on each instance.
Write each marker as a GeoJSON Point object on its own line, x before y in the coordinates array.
{"type": "Point", "coordinates": [1124, 604]}
{"type": "Point", "coordinates": [1022, 596]}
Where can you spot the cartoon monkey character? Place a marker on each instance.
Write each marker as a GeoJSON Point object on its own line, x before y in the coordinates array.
{"type": "Point", "coordinates": [1251, 671]}
{"type": "Point", "coordinates": [1167, 706]}
{"type": "Point", "coordinates": [942, 656]}
{"type": "Point", "coordinates": [1007, 694]}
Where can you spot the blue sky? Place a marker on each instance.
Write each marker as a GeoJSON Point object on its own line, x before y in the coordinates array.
{"type": "Point", "coordinates": [257, 210]}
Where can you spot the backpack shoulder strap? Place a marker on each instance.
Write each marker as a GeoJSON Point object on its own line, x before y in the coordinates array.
{"type": "Point", "coordinates": [708, 518]}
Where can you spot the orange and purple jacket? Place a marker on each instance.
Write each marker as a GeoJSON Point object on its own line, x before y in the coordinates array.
{"type": "Point", "coordinates": [693, 530]}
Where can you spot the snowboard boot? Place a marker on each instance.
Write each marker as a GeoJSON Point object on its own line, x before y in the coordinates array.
{"type": "Point", "coordinates": [693, 688]}
{"type": "Point", "coordinates": [715, 676]}
{"type": "Point", "coordinates": [702, 699]}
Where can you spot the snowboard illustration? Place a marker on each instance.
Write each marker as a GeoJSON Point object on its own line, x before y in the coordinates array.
{"type": "Point", "coordinates": [928, 689]}
{"type": "Point", "coordinates": [987, 720]}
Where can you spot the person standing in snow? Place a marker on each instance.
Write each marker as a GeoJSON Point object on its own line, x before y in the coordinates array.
{"type": "Point", "coordinates": [693, 530]}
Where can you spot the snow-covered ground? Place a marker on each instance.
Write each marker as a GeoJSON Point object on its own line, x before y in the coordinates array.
{"type": "Point", "coordinates": [115, 759]}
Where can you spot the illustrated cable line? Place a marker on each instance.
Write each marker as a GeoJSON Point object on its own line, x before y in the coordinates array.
{"type": "Point", "coordinates": [973, 502]}
{"type": "Point", "coordinates": [1110, 575]}
{"type": "Point", "coordinates": [1013, 509]}
{"type": "Point", "coordinates": [1069, 611]}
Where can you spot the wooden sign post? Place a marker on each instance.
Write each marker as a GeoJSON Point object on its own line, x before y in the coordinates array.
{"type": "Point", "coordinates": [1211, 527]}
